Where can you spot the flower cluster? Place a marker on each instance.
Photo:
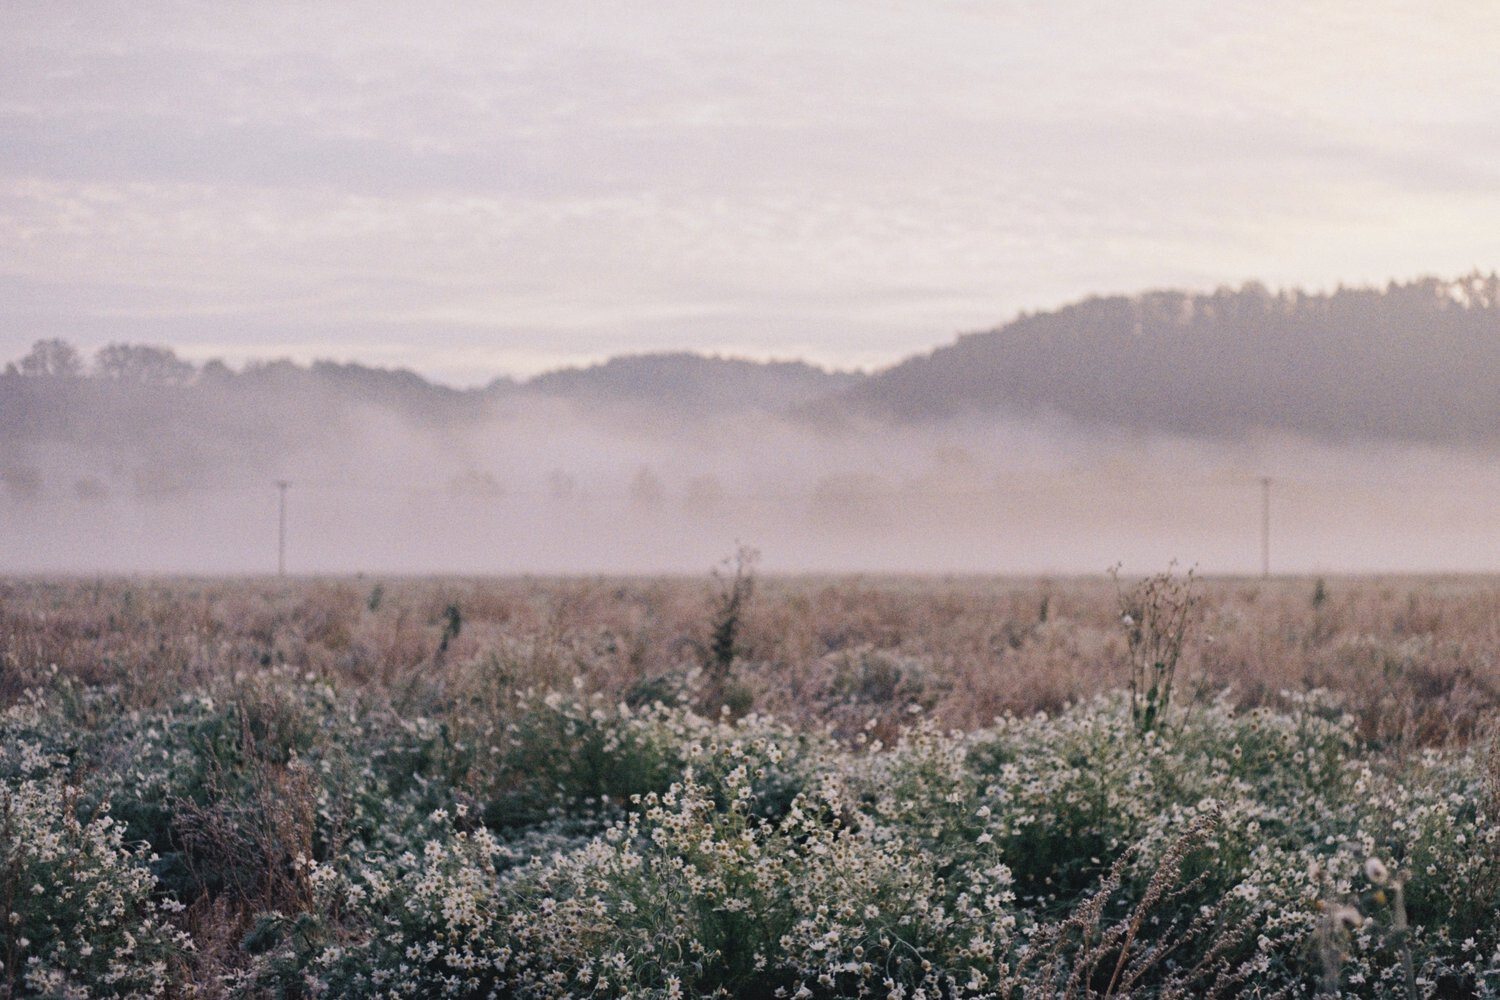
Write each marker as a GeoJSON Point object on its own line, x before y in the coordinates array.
{"type": "Point", "coordinates": [555, 844]}
{"type": "Point", "coordinates": [77, 917]}
{"type": "Point", "coordinates": [694, 891]}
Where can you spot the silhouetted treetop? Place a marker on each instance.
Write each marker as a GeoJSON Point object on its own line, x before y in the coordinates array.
{"type": "Point", "coordinates": [142, 363]}
{"type": "Point", "coordinates": [52, 358]}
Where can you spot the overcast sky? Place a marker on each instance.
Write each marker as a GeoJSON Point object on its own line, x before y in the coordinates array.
{"type": "Point", "coordinates": [503, 188]}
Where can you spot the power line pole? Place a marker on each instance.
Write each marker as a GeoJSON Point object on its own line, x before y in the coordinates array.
{"type": "Point", "coordinates": [1265, 527]}
{"type": "Point", "coordinates": [281, 485]}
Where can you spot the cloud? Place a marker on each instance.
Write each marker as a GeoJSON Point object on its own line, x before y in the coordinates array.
{"type": "Point", "coordinates": [550, 177]}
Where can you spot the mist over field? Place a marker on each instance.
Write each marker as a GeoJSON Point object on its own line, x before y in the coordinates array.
{"type": "Point", "coordinates": [552, 249]}
{"type": "Point", "coordinates": [1032, 449]}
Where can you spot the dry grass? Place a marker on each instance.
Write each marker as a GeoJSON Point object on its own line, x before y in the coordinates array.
{"type": "Point", "coordinates": [1417, 658]}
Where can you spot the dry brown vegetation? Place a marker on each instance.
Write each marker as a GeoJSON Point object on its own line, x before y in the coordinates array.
{"type": "Point", "coordinates": [1416, 658]}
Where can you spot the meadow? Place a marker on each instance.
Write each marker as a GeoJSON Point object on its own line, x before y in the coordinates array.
{"type": "Point", "coordinates": [750, 786]}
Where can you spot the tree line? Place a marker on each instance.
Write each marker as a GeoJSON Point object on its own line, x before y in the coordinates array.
{"type": "Point", "coordinates": [1414, 361]}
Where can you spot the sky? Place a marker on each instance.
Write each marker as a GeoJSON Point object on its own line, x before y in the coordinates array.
{"type": "Point", "coordinates": [503, 188]}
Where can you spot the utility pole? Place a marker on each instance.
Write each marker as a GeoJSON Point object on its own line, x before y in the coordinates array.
{"type": "Point", "coordinates": [281, 485]}
{"type": "Point", "coordinates": [1265, 527]}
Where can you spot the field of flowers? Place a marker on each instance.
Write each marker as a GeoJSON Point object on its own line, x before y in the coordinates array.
{"type": "Point", "coordinates": [798, 788]}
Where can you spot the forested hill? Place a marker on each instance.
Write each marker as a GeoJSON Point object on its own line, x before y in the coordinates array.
{"type": "Point", "coordinates": [685, 383]}
{"type": "Point", "coordinates": [1414, 362]}
{"type": "Point", "coordinates": [139, 417]}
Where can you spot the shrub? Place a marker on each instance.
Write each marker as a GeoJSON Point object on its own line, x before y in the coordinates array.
{"type": "Point", "coordinates": [691, 894]}
{"type": "Point", "coordinates": [77, 918]}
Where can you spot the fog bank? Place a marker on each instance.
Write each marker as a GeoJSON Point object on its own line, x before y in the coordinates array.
{"type": "Point", "coordinates": [541, 485]}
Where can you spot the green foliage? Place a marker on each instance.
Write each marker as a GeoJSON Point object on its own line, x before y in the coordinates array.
{"type": "Point", "coordinates": [734, 594]}
{"type": "Point", "coordinates": [77, 913]}
{"type": "Point", "coordinates": [536, 843]}
{"type": "Point", "coordinates": [453, 624]}
{"type": "Point", "coordinates": [562, 755]}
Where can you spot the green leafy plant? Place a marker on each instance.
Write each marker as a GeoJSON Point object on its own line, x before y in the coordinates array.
{"type": "Point", "coordinates": [77, 914]}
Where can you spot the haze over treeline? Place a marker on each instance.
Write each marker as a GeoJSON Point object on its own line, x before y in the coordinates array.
{"type": "Point", "coordinates": [1132, 428]}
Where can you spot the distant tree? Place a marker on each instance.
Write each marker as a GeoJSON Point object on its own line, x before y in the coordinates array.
{"type": "Point", "coordinates": [278, 373]}
{"type": "Point", "coordinates": [646, 490]}
{"type": "Point", "coordinates": [277, 367]}
{"type": "Point", "coordinates": [56, 358]}
{"type": "Point", "coordinates": [142, 363]}
{"type": "Point", "coordinates": [215, 370]}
